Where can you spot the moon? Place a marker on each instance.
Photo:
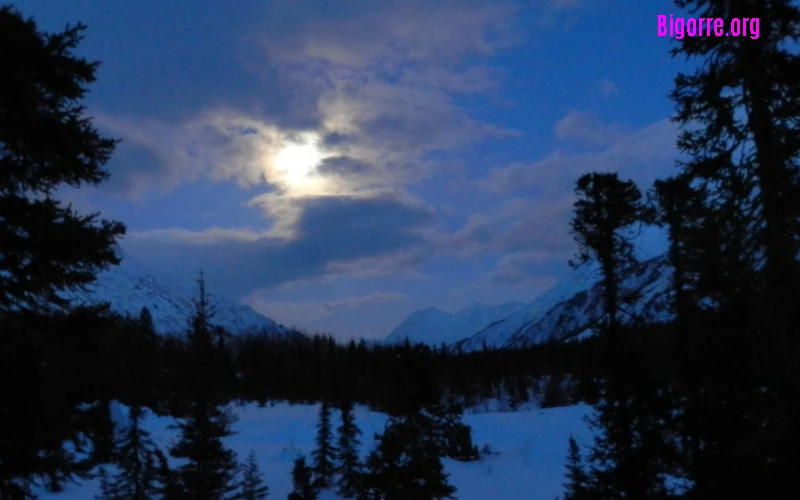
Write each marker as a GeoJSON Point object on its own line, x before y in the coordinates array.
{"type": "Point", "coordinates": [296, 160]}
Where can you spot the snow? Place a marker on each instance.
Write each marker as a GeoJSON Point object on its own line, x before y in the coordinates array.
{"type": "Point", "coordinates": [563, 312]}
{"type": "Point", "coordinates": [433, 326]}
{"type": "Point", "coordinates": [529, 448]}
{"type": "Point", "coordinates": [128, 288]}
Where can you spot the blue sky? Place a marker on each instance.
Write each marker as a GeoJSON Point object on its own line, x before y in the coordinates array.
{"type": "Point", "coordinates": [339, 164]}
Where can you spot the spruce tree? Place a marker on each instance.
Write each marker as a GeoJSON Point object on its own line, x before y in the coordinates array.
{"type": "Point", "coordinates": [252, 486]}
{"type": "Point", "coordinates": [105, 492]}
{"type": "Point", "coordinates": [302, 481]}
{"type": "Point", "coordinates": [406, 463]}
{"type": "Point", "coordinates": [739, 111]}
{"type": "Point", "coordinates": [170, 487]}
{"type": "Point", "coordinates": [441, 424]}
{"type": "Point", "coordinates": [146, 321]}
{"type": "Point", "coordinates": [325, 452]}
{"type": "Point", "coordinates": [137, 462]}
{"type": "Point", "coordinates": [210, 468]}
{"type": "Point", "coordinates": [46, 141]}
{"type": "Point", "coordinates": [623, 464]}
{"type": "Point", "coordinates": [577, 486]}
{"type": "Point", "coordinates": [606, 210]}
{"type": "Point", "coordinates": [348, 463]}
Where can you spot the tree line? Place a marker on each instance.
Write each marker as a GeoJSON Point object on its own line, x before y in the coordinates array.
{"type": "Point", "coordinates": [705, 406]}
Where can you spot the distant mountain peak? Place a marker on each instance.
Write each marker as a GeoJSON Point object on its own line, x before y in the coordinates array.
{"type": "Point", "coordinates": [128, 288]}
{"type": "Point", "coordinates": [566, 310]}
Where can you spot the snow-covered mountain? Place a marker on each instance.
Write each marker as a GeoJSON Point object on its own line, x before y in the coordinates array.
{"type": "Point", "coordinates": [567, 310]}
{"type": "Point", "coordinates": [128, 288]}
{"type": "Point", "coordinates": [433, 326]}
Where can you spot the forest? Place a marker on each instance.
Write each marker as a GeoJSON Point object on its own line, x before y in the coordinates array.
{"type": "Point", "coordinates": [711, 397]}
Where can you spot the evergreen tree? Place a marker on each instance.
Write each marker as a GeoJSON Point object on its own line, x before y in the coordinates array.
{"type": "Point", "coordinates": [406, 463]}
{"type": "Point", "coordinates": [744, 156]}
{"type": "Point", "coordinates": [146, 321]}
{"type": "Point", "coordinates": [136, 459]}
{"type": "Point", "coordinates": [605, 211]}
{"type": "Point", "coordinates": [577, 486]}
{"type": "Point", "coordinates": [170, 487]}
{"type": "Point", "coordinates": [210, 468]}
{"type": "Point", "coordinates": [252, 487]}
{"type": "Point", "coordinates": [301, 480]}
{"type": "Point", "coordinates": [105, 492]}
{"type": "Point", "coordinates": [623, 464]}
{"type": "Point", "coordinates": [46, 141]}
{"type": "Point", "coordinates": [452, 438]}
{"type": "Point", "coordinates": [325, 452]}
{"type": "Point", "coordinates": [348, 464]}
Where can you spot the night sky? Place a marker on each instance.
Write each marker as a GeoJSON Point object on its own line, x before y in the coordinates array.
{"type": "Point", "coordinates": [337, 165]}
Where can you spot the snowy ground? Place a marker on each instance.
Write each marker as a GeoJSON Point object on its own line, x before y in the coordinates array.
{"type": "Point", "coordinates": [529, 446]}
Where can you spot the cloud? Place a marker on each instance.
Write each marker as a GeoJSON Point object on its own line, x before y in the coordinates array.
{"type": "Point", "coordinates": [584, 127]}
{"type": "Point", "coordinates": [643, 156]}
{"type": "Point", "coordinates": [220, 145]}
{"type": "Point", "coordinates": [535, 199]}
{"type": "Point", "coordinates": [330, 232]}
{"type": "Point", "coordinates": [382, 77]}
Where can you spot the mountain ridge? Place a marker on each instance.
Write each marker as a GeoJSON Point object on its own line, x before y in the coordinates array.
{"type": "Point", "coordinates": [128, 288]}
{"type": "Point", "coordinates": [567, 310]}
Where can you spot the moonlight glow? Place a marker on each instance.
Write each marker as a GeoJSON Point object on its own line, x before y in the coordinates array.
{"type": "Point", "coordinates": [296, 160]}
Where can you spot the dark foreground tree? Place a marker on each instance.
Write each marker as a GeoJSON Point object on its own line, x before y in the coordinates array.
{"type": "Point", "coordinates": [46, 142]}
{"type": "Point", "coordinates": [628, 431]}
{"type": "Point", "coordinates": [325, 453]}
{"type": "Point", "coordinates": [137, 462]}
{"type": "Point", "coordinates": [210, 469]}
{"type": "Point", "coordinates": [740, 115]}
{"type": "Point", "coordinates": [347, 464]}
{"type": "Point", "coordinates": [105, 492]}
{"type": "Point", "coordinates": [577, 485]}
{"type": "Point", "coordinates": [406, 463]}
{"type": "Point", "coordinates": [302, 481]}
{"type": "Point", "coordinates": [252, 487]}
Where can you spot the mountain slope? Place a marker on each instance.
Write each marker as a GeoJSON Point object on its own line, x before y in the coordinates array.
{"type": "Point", "coordinates": [581, 311]}
{"type": "Point", "coordinates": [565, 311]}
{"type": "Point", "coordinates": [128, 288]}
{"type": "Point", "coordinates": [433, 326]}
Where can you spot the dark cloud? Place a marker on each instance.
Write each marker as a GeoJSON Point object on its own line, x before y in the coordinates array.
{"type": "Point", "coordinates": [331, 229]}
{"type": "Point", "coordinates": [342, 166]}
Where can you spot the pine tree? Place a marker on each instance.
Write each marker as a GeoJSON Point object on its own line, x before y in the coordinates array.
{"type": "Point", "coordinates": [136, 459]}
{"type": "Point", "coordinates": [210, 468]}
{"type": "Point", "coordinates": [105, 492]}
{"type": "Point", "coordinates": [744, 155]}
{"type": "Point", "coordinates": [252, 487]}
{"type": "Point", "coordinates": [301, 480]}
{"type": "Point", "coordinates": [146, 321]}
{"type": "Point", "coordinates": [441, 423]}
{"type": "Point", "coordinates": [46, 141]}
{"type": "Point", "coordinates": [577, 486]}
{"type": "Point", "coordinates": [605, 211]}
{"type": "Point", "coordinates": [325, 452]}
{"type": "Point", "coordinates": [170, 487]}
{"type": "Point", "coordinates": [623, 463]}
{"type": "Point", "coordinates": [348, 464]}
{"type": "Point", "coordinates": [406, 463]}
